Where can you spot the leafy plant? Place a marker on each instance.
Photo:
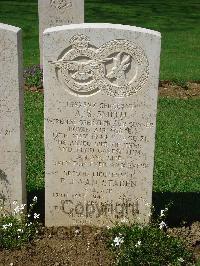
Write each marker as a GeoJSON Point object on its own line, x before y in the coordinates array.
{"type": "Point", "coordinates": [147, 245]}
{"type": "Point", "coordinates": [138, 244]}
{"type": "Point", "coordinates": [181, 83]}
{"type": "Point", "coordinates": [33, 77]}
{"type": "Point", "coordinates": [16, 229]}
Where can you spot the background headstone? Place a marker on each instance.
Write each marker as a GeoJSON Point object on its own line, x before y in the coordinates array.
{"type": "Point", "coordinates": [12, 153]}
{"type": "Point", "coordinates": [101, 85]}
{"type": "Point", "coordinates": [56, 13]}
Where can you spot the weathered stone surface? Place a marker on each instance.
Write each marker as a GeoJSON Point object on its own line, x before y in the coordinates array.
{"type": "Point", "coordinates": [12, 153]}
{"type": "Point", "coordinates": [101, 85]}
{"type": "Point", "coordinates": [54, 13]}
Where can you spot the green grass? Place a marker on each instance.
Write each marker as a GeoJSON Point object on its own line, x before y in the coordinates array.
{"type": "Point", "coordinates": [177, 20]}
{"type": "Point", "coordinates": [23, 14]}
{"type": "Point", "coordinates": [34, 140]}
{"type": "Point", "coordinates": [177, 146]}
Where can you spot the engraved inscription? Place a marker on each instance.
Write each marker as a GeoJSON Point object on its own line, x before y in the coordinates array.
{"type": "Point", "coordinates": [118, 68]}
{"type": "Point", "coordinates": [102, 151]}
{"type": "Point", "coordinates": [61, 4]}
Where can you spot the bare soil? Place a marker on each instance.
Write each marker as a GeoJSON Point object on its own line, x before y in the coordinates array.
{"type": "Point", "coordinates": [186, 91]}
{"type": "Point", "coordinates": [62, 246]}
{"type": "Point", "coordinates": [190, 235]}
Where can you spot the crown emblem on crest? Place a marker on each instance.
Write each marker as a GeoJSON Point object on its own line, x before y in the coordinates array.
{"type": "Point", "coordinates": [60, 4]}
{"type": "Point", "coordinates": [79, 42]}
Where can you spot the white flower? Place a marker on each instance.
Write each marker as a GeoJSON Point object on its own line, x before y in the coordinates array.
{"type": "Point", "coordinates": [162, 225]}
{"type": "Point", "coordinates": [11, 264]}
{"type": "Point", "coordinates": [124, 220]}
{"type": "Point", "coordinates": [118, 241]}
{"type": "Point", "coordinates": [14, 202]}
{"type": "Point", "coordinates": [19, 209]}
{"type": "Point", "coordinates": [35, 199]}
{"type": "Point", "coordinates": [20, 230]}
{"type": "Point", "coordinates": [162, 213]}
{"type": "Point", "coordinates": [30, 224]}
{"type": "Point", "coordinates": [88, 245]}
{"type": "Point", "coordinates": [181, 260]}
{"type": "Point", "coordinates": [23, 206]}
{"type": "Point", "coordinates": [5, 226]}
{"type": "Point", "coordinates": [77, 232]}
{"type": "Point", "coordinates": [36, 216]}
{"type": "Point", "coordinates": [138, 244]}
{"type": "Point", "coordinates": [16, 210]}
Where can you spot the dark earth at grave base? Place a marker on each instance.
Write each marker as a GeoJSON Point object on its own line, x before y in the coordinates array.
{"type": "Point", "coordinates": [86, 245]}
{"type": "Point", "coordinates": [166, 89]}
{"type": "Point", "coordinates": [172, 90]}
{"type": "Point", "coordinates": [81, 246]}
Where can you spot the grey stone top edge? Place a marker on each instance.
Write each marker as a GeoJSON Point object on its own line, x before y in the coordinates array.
{"type": "Point", "coordinates": [9, 28]}
{"type": "Point", "coordinates": [102, 26]}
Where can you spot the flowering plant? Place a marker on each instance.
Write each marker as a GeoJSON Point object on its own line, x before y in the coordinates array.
{"type": "Point", "coordinates": [147, 244]}
{"type": "Point", "coordinates": [33, 76]}
{"type": "Point", "coordinates": [16, 229]}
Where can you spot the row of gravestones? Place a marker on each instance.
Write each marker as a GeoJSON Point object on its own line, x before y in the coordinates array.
{"type": "Point", "coordinates": [101, 83]}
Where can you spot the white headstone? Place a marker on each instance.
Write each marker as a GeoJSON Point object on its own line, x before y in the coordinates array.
{"type": "Point", "coordinates": [54, 13]}
{"type": "Point", "coordinates": [12, 153]}
{"type": "Point", "coordinates": [101, 86]}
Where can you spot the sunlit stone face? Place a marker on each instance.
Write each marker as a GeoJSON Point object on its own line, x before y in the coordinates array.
{"type": "Point", "coordinates": [101, 84]}
{"type": "Point", "coordinates": [12, 164]}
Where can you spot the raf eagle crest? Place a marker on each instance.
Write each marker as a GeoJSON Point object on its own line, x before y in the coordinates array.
{"type": "Point", "coordinates": [118, 68]}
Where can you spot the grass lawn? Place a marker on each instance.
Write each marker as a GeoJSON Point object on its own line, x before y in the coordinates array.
{"type": "Point", "coordinates": [178, 127]}
{"type": "Point", "coordinates": [177, 146]}
{"type": "Point", "coordinates": [177, 20]}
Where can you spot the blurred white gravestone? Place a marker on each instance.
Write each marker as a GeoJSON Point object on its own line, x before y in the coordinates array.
{"type": "Point", "coordinates": [57, 13]}
{"type": "Point", "coordinates": [101, 86]}
{"type": "Point", "coordinates": [12, 152]}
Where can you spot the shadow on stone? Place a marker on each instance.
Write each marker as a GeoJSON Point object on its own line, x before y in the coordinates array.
{"type": "Point", "coordinates": [3, 176]}
{"type": "Point", "coordinates": [5, 182]}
